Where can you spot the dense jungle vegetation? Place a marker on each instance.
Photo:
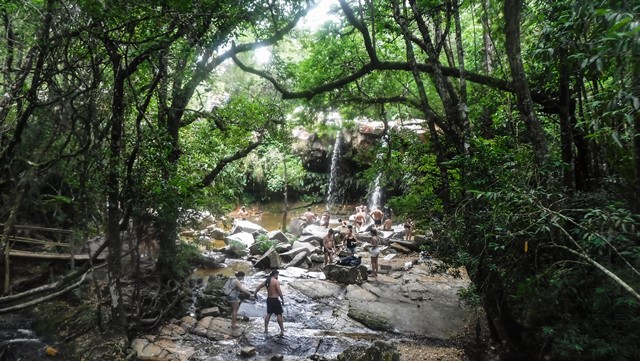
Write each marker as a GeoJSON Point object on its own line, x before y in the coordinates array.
{"type": "Point", "coordinates": [119, 116]}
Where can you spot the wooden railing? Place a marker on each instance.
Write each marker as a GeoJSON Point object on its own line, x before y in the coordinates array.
{"type": "Point", "coordinates": [21, 235]}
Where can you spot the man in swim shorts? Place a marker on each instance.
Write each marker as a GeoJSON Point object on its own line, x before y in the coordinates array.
{"type": "Point", "coordinates": [274, 306]}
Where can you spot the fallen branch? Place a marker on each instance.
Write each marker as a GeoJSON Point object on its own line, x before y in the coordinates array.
{"type": "Point", "coordinates": [44, 298]}
{"type": "Point", "coordinates": [57, 284]}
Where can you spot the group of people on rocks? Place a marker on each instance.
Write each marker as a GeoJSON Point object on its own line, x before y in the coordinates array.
{"type": "Point", "coordinates": [332, 244]}
{"type": "Point", "coordinates": [345, 238]}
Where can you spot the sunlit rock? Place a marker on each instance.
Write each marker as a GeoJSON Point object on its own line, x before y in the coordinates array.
{"type": "Point", "coordinates": [248, 227]}
{"type": "Point", "coordinates": [270, 259]}
{"type": "Point", "coordinates": [316, 289]}
{"type": "Point", "coordinates": [278, 236]}
{"type": "Point", "coordinates": [288, 256]}
{"type": "Point", "coordinates": [244, 238]}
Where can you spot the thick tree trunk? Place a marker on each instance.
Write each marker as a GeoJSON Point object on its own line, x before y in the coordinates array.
{"type": "Point", "coordinates": [113, 238]}
{"type": "Point", "coordinates": [635, 86]}
{"type": "Point", "coordinates": [566, 131]}
{"type": "Point", "coordinates": [535, 133]}
{"type": "Point", "coordinates": [444, 192]}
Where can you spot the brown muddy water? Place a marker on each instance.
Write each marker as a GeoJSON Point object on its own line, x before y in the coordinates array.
{"type": "Point", "coordinates": [271, 215]}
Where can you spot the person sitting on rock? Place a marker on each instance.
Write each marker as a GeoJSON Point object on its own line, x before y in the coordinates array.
{"type": "Point", "coordinates": [350, 241]}
{"type": "Point", "coordinates": [387, 225]}
{"type": "Point", "coordinates": [243, 213]}
{"type": "Point", "coordinates": [324, 220]}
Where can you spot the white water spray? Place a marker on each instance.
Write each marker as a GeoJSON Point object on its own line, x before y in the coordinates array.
{"type": "Point", "coordinates": [333, 175]}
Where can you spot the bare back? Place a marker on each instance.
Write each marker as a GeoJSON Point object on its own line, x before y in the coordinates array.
{"type": "Point", "coordinates": [273, 289]}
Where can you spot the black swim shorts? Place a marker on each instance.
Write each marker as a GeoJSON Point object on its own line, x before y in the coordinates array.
{"type": "Point", "coordinates": [274, 306]}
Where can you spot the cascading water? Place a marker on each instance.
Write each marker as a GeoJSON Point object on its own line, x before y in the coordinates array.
{"type": "Point", "coordinates": [333, 175]}
{"type": "Point", "coordinates": [376, 195]}
{"type": "Point", "coordinates": [375, 192]}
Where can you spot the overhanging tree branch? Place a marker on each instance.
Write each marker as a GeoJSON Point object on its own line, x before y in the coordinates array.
{"type": "Point", "coordinates": [224, 161]}
{"type": "Point", "coordinates": [549, 103]}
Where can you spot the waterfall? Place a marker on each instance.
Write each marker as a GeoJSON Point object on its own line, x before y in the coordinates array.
{"type": "Point", "coordinates": [375, 192]}
{"type": "Point", "coordinates": [376, 195]}
{"type": "Point", "coordinates": [333, 175]}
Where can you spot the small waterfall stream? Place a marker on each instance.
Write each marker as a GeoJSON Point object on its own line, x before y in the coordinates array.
{"type": "Point", "coordinates": [375, 198]}
{"type": "Point", "coordinates": [375, 192]}
{"type": "Point", "coordinates": [333, 176]}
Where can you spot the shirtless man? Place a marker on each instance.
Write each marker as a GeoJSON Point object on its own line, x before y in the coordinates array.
{"type": "Point", "coordinates": [360, 217]}
{"type": "Point", "coordinates": [387, 224]}
{"type": "Point", "coordinates": [243, 213]}
{"type": "Point", "coordinates": [329, 247]}
{"type": "Point", "coordinates": [324, 220]}
{"type": "Point", "coordinates": [311, 217]}
{"type": "Point", "coordinates": [274, 306]}
{"type": "Point", "coordinates": [377, 216]}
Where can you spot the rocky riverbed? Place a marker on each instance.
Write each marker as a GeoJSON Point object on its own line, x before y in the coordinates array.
{"type": "Point", "coordinates": [409, 312]}
{"type": "Point", "coordinates": [417, 312]}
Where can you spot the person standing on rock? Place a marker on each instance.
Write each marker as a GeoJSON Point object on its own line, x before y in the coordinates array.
{"type": "Point", "coordinates": [375, 252]}
{"type": "Point", "coordinates": [329, 245]}
{"type": "Point", "coordinates": [408, 229]}
{"type": "Point", "coordinates": [274, 306]}
{"type": "Point", "coordinates": [361, 215]}
{"type": "Point", "coordinates": [377, 216]}
{"type": "Point", "coordinates": [234, 297]}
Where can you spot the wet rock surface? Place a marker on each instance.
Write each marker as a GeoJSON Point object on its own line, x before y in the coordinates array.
{"type": "Point", "coordinates": [325, 319]}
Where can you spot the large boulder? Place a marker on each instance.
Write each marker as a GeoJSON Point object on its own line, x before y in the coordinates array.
{"type": "Point", "coordinates": [278, 236]}
{"type": "Point", "coordinates": [211, 261]}
{"type": "Point", "coordinates": [414, 246]}
{"type": "Point", "coordinates": [300, 260]}
{"type": "Point", "coordinates": [315, 230]}
{"type": "Point", "coordinates": [248, 227]}
{"type": "Point", "coordinates": [400, 248]}
{"type": "Point", "coordinates": [378, 351]}
{"type": "Point", "coordinates": [296, 226]}
{"type": "Point", "coordinates": [289, 255]}
{"type": "Point", "coordinates": [344, 274]}
{"type": "Point", "coordinates": [309, 246]}
{"type": "Point", "coordinates": [269, 260]}
{"type": "Point", "coordinates": [313, 239]}
{"type": "Point", "coordinates": [216, 232]}
{"type": "Point", "coordinates": [244, 238]}
{"type": "Point", "coordinates": [316, 289]}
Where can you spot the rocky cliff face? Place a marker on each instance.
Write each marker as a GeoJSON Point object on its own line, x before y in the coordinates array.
{"type": "Point", "coordinates": [354, 157]}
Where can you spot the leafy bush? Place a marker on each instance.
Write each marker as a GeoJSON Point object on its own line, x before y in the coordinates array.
{"type": "Point", "coordinates": [263, 243]}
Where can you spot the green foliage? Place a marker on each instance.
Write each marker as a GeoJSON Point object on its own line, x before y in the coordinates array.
{"type": "Point", "coordinates": [237, 246]}
{"type": "Point", "coordinates": [264, 244]}
{"type": "Point", "coordinates": [182, 261]}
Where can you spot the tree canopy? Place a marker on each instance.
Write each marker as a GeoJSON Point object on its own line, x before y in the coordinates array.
{"type": "Point", "coordinates": [117, 116]}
